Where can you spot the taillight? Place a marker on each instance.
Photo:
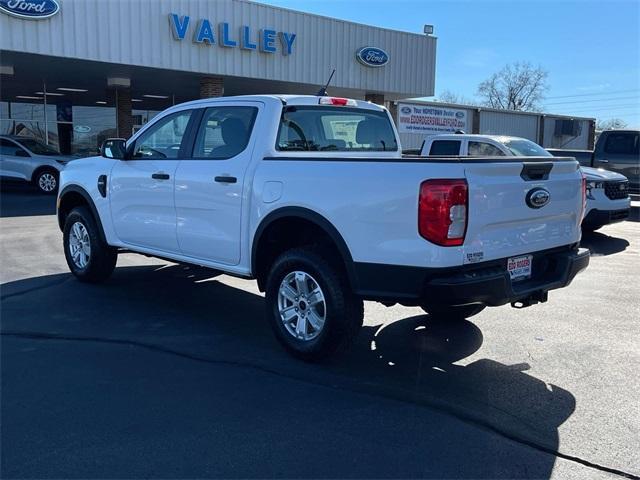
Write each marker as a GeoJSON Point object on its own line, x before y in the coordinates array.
{"type": "Point", "coordinates": [443, 211]}
{"type": "Point", "coordinates": [584, 195]}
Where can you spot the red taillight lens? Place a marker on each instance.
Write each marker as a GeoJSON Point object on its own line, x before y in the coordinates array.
{"type": "Point", "coordinates": [443, 211]}
{"type": "Point", "coordinates": [584, 195]}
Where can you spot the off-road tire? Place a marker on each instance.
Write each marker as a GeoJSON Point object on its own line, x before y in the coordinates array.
{"type": "Point", "coordinates": [344, 311]}
{"type": "Point", "coordinates": [102, 259]}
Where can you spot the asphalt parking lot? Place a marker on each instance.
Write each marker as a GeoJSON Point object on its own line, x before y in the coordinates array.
{"type": "Point", "coordinates": [165, 372]}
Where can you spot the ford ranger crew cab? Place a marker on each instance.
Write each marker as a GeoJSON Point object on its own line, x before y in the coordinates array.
{"type": "Point", "coordinates": [312, 197]}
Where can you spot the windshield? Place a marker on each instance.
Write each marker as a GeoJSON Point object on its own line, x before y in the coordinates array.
{"type": "Point", "coordinates": [525, 148]}
{"type": "Point", "coordinates": [37, 147]}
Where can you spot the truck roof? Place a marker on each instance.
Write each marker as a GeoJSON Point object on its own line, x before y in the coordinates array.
{"type": "Point", "coordinates": [285, 99]}
{"type": "Point", "coordinates": [460, 136]}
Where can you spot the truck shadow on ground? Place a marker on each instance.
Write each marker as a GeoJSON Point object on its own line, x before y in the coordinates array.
{"type": "Point", "coordinates": [23, 200]}
{"type": "Point", "coordinates": [177, 311]}
{"type": "Point", "coordinates": [599, 243]}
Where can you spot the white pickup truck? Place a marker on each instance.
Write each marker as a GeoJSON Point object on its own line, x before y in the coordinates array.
{"type": "Point", "coordinates": [608, 199]}
{"type": "Point", "coordinates": [312, 197]}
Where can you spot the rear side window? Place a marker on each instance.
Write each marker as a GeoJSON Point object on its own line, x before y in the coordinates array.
{"type": "Point", "coordinates": [340, 129]}
{"type": "Point", "coordinates": [224, 132]}
{"type": "Point", "coordinates": [445, 147]}
{"type": "Point", "coordinates": [8, 148]}
{"type": "Point", "coordinates": [623, 143]}
{"type": "Point", "coordinates": [483, 149]}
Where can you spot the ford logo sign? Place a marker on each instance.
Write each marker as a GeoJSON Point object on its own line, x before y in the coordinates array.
{"type": "Point", "coordinates": [372, 56]}
{"type": "Point", "coordinates": [406, 110]}
{"type": "Point", "coordinates": [30, 9]}
{"type": "Point", "coordinates": [459, 114]}
{"type": "Point", "coordinates": [537, 197]}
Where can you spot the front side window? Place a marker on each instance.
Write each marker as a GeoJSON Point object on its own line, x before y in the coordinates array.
{"type": "Point", "coordinates": [224, 132]}
{"type": "Point", "coordinates": [483, 149]}
{"type": "Point", "coordinates": [445, 147]}
{"type": "Point", "coordinates": [623, 143]}
{"type": "Point", "coordinates": [163, 139]}
{"type": "Point", "coordinates": [329, 128]}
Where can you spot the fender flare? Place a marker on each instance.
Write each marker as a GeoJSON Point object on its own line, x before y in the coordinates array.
{"type": "Point", "coordinates": [313, 217]}
{"type": "Point", "coordinates": [89, 200]}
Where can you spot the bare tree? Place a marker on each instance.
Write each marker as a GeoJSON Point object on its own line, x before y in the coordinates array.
{"type": "Point", "coordinates": [611, 124]}
{"type": "Point", "coordinates": [518, 86]}
{"type": "Point", "coordinates": [447, 96]}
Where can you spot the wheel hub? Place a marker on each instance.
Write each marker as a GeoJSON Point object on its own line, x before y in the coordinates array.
{"type": "Point", "coordinates": [301, 305]}
{"type": "Point", "coordinates": [79, 245]}
{"type": "Point", "coordinates": [47, 182]}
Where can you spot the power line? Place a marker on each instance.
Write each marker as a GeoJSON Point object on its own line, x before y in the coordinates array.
{"type": "Point", "coordinates": [595, 94]}
{"type": "Point", "coordinates": [619, 107]}
{"type": "Point", "coordinates": [595, 100]}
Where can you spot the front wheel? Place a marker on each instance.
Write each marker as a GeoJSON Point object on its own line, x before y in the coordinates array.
{"type": "Point", "coordinates": [89, 258]}
{"type": "Point", "coordinates": [309, 304]}
{"type": "Point", "coordinates": [457, 312]}
{"type": "Point", "coordinates": [47, 181]}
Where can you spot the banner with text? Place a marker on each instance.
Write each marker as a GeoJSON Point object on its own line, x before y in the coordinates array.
{"type": "Point", "coordinates": [429, 120]}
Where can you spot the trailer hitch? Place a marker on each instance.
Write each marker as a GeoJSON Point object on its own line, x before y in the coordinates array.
{"type": "Point", "coordinates": [537, 297]}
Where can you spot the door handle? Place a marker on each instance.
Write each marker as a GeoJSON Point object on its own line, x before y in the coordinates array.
{"type": "Point", "coordinates": [225, 179]}
{"type": "Point", "coordinates": [603, 160]}
{"type": "Point", "coordinates": [160, 176]}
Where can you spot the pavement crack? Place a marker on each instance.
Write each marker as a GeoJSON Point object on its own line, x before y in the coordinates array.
{"type": "Point", "coordinates": [365, 388]}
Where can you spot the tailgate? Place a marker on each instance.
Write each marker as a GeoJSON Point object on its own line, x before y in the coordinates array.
{"type": "Point", "coordinates": [508, 215]}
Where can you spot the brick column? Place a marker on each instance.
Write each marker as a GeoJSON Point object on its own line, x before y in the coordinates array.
{"type": "Point", "coordinates": [211, 87]}
{"type": "Point", "coordinates": [377, 98]}
{"type": "Point", "coordinates": [124, 114]}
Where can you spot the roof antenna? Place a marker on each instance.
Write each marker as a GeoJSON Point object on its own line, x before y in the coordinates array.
{"type": "Point", "coordinates": [323, 91]}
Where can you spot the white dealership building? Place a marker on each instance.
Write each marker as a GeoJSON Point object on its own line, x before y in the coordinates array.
{"type": "Point", "coordinates": [74, 72]}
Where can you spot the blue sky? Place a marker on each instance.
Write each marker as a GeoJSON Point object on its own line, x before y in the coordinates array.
{"type": "Point", "coordinates": [591, 49]}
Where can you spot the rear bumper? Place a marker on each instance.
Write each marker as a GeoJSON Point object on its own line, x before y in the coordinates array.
{"type": "Point", "coordinates": [487, 283]}
{"type": "Point", "coordinates": [598, 218]}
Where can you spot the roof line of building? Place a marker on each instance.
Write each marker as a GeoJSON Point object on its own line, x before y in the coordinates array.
{"type": "Point", "coordinates": [326, 17]}
{"type": "Point", "coordinates": [488, 109]}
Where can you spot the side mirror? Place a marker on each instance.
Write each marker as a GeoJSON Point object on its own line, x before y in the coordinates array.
{"type": "Point", "coordinates": [114, 148]}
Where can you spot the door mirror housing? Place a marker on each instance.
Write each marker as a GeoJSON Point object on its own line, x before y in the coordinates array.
{"type": "Point", "coordinates": [115, 148]}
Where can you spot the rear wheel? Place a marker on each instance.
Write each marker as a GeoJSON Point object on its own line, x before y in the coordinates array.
{"type": "Point", "coordinates": [450, 312]}
{"type": "Point", "coordinates": [309, 304]}
{"type": "Point", "coordinates": [89, 258]}
{"type": "Point", "coordinates": [47, 181]}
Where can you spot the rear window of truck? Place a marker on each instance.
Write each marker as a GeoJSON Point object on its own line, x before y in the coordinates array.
{"type": "Point", "coordinates": [445, 147]}
{"type": "Point", "coordinates": [339, 129]}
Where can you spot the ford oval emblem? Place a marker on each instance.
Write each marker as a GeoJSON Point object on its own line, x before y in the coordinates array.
{"type": "Point", "coordinates": [406, 110]}
{"type": "Point", "coordinates": [459, 114]}
{"type": "Point", "coordinates": [30, 9]}
{"type": "Point", "coordinates": [372, 56]}
{"type": "Point", "coordinates": [537, 197]}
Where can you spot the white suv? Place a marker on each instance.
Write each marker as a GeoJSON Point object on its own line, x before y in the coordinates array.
{"type": "Point", "coordinates": [29, 160]}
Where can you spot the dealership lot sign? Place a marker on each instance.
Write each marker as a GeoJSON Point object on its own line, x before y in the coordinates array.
{"type": "Point", "coordinates": [30, 10]}
{"type": "Point", "coordinates": [430, 120]}
{"type": "Point", "coordinates": [265, 40]}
